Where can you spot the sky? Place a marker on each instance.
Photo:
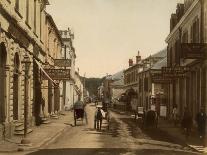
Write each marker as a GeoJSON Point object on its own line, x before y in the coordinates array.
{"type": "Point", "coordinates": [110, 32]}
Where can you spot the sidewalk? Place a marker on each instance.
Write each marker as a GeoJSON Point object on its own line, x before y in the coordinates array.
{"type": "Point", "coordinates": [176, 132]}
{"type": "Point", "coordinates": [41, 135]}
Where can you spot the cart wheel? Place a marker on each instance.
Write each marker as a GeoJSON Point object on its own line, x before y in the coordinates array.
{"type": "Point", "coordinates": [75, 121]}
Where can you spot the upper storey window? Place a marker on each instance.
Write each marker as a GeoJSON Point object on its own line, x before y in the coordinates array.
{"type": "Point", "coordinates": [17, 5]}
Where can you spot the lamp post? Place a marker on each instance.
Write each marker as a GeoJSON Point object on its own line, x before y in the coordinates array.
{"type": "Point", "coordinates": [27, 63]}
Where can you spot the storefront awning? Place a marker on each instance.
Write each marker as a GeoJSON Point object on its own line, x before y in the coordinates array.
{"type": "Point", "coordinates": [48, 77]}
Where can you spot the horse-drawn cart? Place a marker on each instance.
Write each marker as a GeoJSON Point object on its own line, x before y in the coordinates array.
{"type": "Point", "coordinates": [79, 112]}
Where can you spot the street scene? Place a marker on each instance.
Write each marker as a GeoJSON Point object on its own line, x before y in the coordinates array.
{"type": "Point", "coordinates": [103, 77]}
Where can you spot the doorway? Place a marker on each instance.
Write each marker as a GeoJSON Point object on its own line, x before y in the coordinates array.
{"type": "Point", "coordinates": [3, 56]}
{"type": "Point", "coordinates": [16, 87]}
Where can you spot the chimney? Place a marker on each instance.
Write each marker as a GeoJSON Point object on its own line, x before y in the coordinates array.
{"type": "Point", "coordinates": [130, 62]}
{"type": "Point", "coordinates": [138, 58]}
{"type": "Point", "coordinates": [179, 11]}
{"type": "Point", "coordinates": [173, 21]}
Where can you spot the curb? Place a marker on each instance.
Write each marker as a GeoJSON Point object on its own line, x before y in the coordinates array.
{"type": "Point", "coordinates": [46, 142]}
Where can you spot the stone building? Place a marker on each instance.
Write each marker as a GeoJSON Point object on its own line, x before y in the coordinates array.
{"type": "Point", "coordinates": [21, 37]}
{"type": "Point", "coordinates": [29, 43]}
{"type": "Point", "coordinates": [78, 87]}
{"type": "Point", "coordinates": [130, 74]}
{"type": "Point", "coordinates": [188, 29]}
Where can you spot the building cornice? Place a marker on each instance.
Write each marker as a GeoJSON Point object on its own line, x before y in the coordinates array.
{"type": "Point", "coordinates": [181, 20]}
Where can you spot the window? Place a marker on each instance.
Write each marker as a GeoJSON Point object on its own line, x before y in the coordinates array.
{"type": "Point", "coordinates": [40, 24]}
{"type": "Point", "coordinates": [27, 11]}
{"type": "Point", "coordinates": [17, 5]}
{"type": "Point", "coordinates": [185, 37]}
{"type": "Point", "coordinates": [146, 84]}
{"type": "Point", "coordinates": [35, 15]}
{"type": "Point", "coordinates": [205, 26]}
{"type": "Point", "coordinates": [140, 85]}
{"type": "Point", "coordinates": [177, 52]}
{"type": "Point", "coordinates": [195, 31]}
{"type": "Point", "coordinates": [169, 56]}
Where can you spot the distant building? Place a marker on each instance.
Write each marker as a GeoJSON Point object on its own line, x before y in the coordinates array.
{"type": "Point", "coordinates": [151, 93]}
{"type": "Point", "coordinates": [68, 52]}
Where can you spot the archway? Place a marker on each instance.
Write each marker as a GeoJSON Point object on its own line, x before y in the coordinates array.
{"type": "Point", "coordinates": [16, 87]}
{"type": "Point", "coordinates": [3, 56]}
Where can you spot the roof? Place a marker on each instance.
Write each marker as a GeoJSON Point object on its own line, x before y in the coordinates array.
{"type": "Point", "coordinates": [160, 64]}
{"type": "Point", "coordinates": [118, 78]}
{"type": "Point", "coordinates": [160, 54]}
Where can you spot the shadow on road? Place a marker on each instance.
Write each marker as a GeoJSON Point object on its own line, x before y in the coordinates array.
{"type": "Point", "coordinates": [106, 151]}
{"type": "Point", "coordinates": [136, 131]}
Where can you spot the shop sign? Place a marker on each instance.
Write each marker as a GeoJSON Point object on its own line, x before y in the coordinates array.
{"type": "Point", "coordinates": [193, 50]}
{"type": "Point", "coordinates": [174, 72]}
{"type": "Point", "coordinates": [58, 74]}
{"type": "Point", "coordinates": [62, 62]}
{"type": "Point", "coordinates": [159, 78]}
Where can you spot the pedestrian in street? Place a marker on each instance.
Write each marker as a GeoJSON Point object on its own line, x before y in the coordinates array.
{"type": "Point", "coordinates": [201, 123]}
{"type": "Point", "coordinates": [43, 106]}
{"type": "Point", "coordinates": [187, 122]}
{"type": "Point", "coordinates": [99, 118]}
{"type": "Point", "coordinates": [175, 114]}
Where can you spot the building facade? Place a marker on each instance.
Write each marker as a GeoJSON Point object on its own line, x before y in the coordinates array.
{"type": "Point", "coordinates": [68, 52]}
{"type": "Point", "coordinates": [29, 44]}
{"type": "Point", "coordinates": [188, 29]}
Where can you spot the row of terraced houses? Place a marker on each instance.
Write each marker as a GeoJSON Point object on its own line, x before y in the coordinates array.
{"type": "Point", "coordinates": [37, 66]}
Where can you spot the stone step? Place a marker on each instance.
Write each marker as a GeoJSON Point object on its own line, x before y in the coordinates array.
{"type": "Point", "coordinates": [44, 119]}
{"type": "Point", "coordinates": [55, 117]}
{"type": "Point", "coordinates": [22, 132]}
{"type": "Point", "coordinates": [19, 128]}
{"type": "Point", "coordinates": [46, 122]}
{"type": "Point", "coordinates": [18, 124]}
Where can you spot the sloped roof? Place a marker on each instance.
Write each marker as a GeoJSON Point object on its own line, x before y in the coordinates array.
{"type": "Point", "coordinates": [118, 75]}
{"type": "Point", "coordinates": [160, 64]}
{"type": "Point", "coordinates": [161, 54]}
{"type": "Point", "coordinates": [118, 78]}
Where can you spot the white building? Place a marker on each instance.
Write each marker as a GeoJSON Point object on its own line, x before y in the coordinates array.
{"type": "Point", "coordinates": [68, 52]}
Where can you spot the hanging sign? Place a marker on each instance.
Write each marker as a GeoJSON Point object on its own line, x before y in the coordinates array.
{"type": "Point", "coordinates": [58, 74]}
{"type": "Point", "coordinates": [193, 50]}
{"type": "Point", "coordinates": [62, 62]}
{"type": "Point", "coordinates": [159, 78]}
{"type": "Point", "coordinates": [174, 72]}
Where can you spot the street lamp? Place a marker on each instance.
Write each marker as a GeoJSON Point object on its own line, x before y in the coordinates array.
{"type": "Point", "coordinates": [26, 61]}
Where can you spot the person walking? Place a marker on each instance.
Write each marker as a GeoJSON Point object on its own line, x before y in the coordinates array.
{"type": "Point", "coordinates": [187, 122]}
{"type": "Point", "coordinates": [175, 114]}
{"type": "Point", "coordinates": [201, 123]}
{"type": "Point", "coordinates": [99, 118]}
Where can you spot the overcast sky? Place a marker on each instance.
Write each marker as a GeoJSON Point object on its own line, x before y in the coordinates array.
{"type": "Point", "coordinates": [109, 32]}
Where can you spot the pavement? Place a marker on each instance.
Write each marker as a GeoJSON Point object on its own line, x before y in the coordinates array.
{"type": "Point", "coordinates": [41, 135]}
{"type": "Point", "coordinates": [176, 132]}
{"type": "Point", "coordinates": [192, 141]}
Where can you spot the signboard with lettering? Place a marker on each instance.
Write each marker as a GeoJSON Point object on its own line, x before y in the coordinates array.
{"type": "Point", "coordinates": [62, 62]}
{"type": "Point", "coordinates": [58, 74]}
{"type": "Point", "coordinates": [174, 72]}
{"type": "Point", "coordinates": [159, 78]}
{"type": "Point", "coordinates": [193, 50]}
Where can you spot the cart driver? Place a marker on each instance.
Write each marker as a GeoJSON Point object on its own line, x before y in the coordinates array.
{"type": "Point", "coordinates": [80, 105]}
